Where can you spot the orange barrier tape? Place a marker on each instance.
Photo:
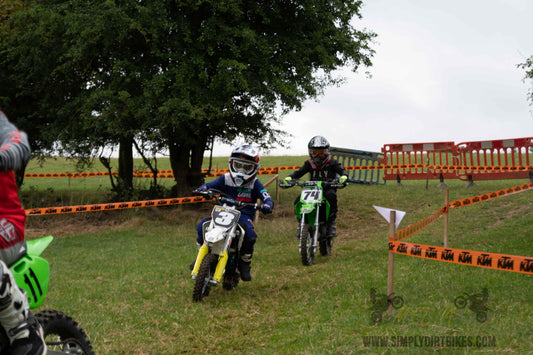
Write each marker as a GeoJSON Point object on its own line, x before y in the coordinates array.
{"type": "Point", "coordinates": [275, 170]}
{"type": "Point", "coordinates": [70, 175]}
{"type": "Point", "coordinates": [417, 227]}
{"type": "Point", "coordinates": [491, 195]}
{"type": "Point", "coordinates": [414, 228]}
{"type": "Point", "coordinates": [113, 206]}
{"type": "Point", "coordinates": [481, 168]}
{"type": "Point", "coordinates": [495, 261]}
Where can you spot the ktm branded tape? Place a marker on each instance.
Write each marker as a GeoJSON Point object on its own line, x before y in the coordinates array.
{"type": "Point", "coordinates": [113, 206]}
{"type": "Point", "coordinates": [275, 170]}
{"type": "Point", "coordinates": [413, 228]}
{"type": "Point", "coordinates": [491, 195]}
{"type": "Point", "coordinates": [496, 261]}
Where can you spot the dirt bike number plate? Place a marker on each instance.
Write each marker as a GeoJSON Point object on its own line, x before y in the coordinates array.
{"type": "Point", "coordinates": [225, 217]}
{"type": "Point", "coordinates": [311, 195]}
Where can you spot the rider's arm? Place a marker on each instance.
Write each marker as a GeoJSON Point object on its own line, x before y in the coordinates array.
{"type": "Point", "coordinates": [264, 196]}
{"type": "Point", "coordinates": [304, 169]}
{"type": "Point", "coordinates": [14, 146]}
{"type": "Point", "coordinates": [339, 169]}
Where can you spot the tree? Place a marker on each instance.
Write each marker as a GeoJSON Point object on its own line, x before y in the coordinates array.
{"type": "Point", "coordinates": [180, 73]}
{"type": "Point", "coordinates": [528, 67]}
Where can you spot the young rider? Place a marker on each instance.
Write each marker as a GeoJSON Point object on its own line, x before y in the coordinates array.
{"type": "Point", "coordinates": [321, 167]}
{"type": "Point", "coordinates": [23, 330]}
{"type": "Point", "coordinates": [241, 184]}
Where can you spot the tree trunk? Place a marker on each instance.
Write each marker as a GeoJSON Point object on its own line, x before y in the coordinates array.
{"type": "Point", "coordinates": [195, 177]}
{"type": "Point", "coordinates": [125, 165]}
{"type": "Point", "coordinates": [186, 162]}
{"type": "Point", "coordinates": [179, 161]}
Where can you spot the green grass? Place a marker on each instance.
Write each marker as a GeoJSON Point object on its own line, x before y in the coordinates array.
{"type": "Point", "coordinates": [124, 276]}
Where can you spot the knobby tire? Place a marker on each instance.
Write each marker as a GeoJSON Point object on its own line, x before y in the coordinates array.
{"type": "Point", "coordinates": [306, 250]}
{"type": "Point", "coordinates": [63, 334]}
{"type": "Point", "coordinates": [202, 283]}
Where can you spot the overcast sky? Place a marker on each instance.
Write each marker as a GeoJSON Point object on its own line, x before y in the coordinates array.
{"type": "Point", "coordinates": [442, 71]}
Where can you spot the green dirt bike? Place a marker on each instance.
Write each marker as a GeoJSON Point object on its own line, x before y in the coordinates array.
{"type": "Point", "coordinates": [312, 230]}
{"type": "Point", "coordinates": [217, 260]}
{"type": "Point", "coordinates": [32, 273]}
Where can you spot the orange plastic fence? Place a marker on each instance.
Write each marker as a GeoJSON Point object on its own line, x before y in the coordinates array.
{"type": "Point", "coordinates": [513, 153]}
{"type": "Point", "coordinates": [416, 157]}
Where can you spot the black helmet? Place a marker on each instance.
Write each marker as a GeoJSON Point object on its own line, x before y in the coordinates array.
{"type": "Point", "coordinates": [318, 148]}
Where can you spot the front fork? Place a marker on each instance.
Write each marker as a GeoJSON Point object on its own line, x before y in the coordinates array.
{"type": "Point", "coordinates": [221, 264]}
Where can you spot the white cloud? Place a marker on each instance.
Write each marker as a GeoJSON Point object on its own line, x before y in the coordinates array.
{"type": "Point", "coordinates": [443, 71]}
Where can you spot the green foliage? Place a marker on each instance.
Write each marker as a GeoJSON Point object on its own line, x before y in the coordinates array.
{"type": "Point", "coordinates": [124, 276]}
{"type": "Point", "coordinates": [174, 75]}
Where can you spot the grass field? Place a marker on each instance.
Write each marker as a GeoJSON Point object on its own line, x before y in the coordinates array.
{"type": "Point", "coordinates": [124, 275]}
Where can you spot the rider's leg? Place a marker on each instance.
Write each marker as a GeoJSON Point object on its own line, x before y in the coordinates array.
{"type": "Point", "coordinates": [331, 196]}
{"type": "Point", "coordinates": [23, 330]}
{"type": "Point", "coordinates": [247, 250]}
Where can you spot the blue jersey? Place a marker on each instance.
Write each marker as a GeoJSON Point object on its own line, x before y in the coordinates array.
{"type": "Point", "coordinates": [249, 192]}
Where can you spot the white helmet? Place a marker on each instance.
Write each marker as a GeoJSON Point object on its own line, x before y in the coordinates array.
{"type": "Point", "coordinates": [243, 164]}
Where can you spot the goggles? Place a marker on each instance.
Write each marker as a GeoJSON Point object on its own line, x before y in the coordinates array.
{"type": "Point", "coordinates": [242, 166]}
{"type": "Point", "coordinates": [318, 152]}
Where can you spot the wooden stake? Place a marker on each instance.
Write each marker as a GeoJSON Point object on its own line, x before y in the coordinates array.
{"type": "Point", "coordinates": [446, 201]}
{"type": "Point", "coordinates": [390, 279]}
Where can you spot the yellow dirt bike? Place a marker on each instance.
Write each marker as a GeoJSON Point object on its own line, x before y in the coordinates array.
{"type": "Point", "coordinates": [218, 258]}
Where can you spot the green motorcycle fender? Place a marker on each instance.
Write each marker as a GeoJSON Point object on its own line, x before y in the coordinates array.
{"type": "Point", "coordinates": [309, 210]}
{"type": "Point", "coordinates": [32, 273]}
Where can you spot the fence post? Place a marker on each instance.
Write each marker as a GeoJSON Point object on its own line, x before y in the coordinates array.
{"type": "Point", "coordinates": [446, 202]}
{"type": "Point", "coordinates": [390, 278]}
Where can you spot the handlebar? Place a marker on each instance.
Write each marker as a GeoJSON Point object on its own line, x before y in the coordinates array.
{"type": "Point", "coordinates": [296, 182]}
{"type": "Point", "coordinates": [221, 198]}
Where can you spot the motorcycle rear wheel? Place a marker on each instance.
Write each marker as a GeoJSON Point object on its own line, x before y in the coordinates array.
{"type": "Point", "coordinates": [307, 252]}
{"type": "Point", "coordinates": [325, 245]}
{"type": "Point", "coordinates": [62, 334]}
{"type": "Point", "coordinates": [202, 284]}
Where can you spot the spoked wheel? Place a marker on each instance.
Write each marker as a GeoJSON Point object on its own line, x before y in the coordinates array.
{"type": "Point", "coordinates": [202, 284]}
{"type": "Point", "coordinates": [307, 251]}
{"type": "Point", "coordinates": [62, 334]}
{"type": "Point", "coordinates": [325, 245]}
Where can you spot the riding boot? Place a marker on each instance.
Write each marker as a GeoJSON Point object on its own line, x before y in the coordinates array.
{"type": "Point", "coordinates": [24, 332]}
{"type": "Point", "coordinates": [245, 267]}
{"type": "Point", "coordinates": [299, 229]}
{"type": "Point", "coordinates": [331, 228]}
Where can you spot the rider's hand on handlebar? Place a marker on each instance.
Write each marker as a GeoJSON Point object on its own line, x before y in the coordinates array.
{"type": "Point", "coordinates": [287, 180]}
{"type": "Point", "coordinates": [266, 209]}
{"type": "Point", "coordinates": [343, 179]}
{"type": "Point", "coordinates": [202, 190]}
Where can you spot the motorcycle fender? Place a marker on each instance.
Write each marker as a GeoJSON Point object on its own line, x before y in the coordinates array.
{"type": "Point", "coordinates": [214, 235]}
{"type": "Point", "coordinates": [32, 273]}
{"type": "Point", "coordinates": [36, 246]}
{"type": "Point", "coordinates": [202, 252]}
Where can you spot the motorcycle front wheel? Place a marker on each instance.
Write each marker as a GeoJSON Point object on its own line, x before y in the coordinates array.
{"type": "Point", "coordinates": [62, 334]}
{"type": "Point", "coordinates": [202, 284]}
{"type": "Point", "coordinates": [307, 252]}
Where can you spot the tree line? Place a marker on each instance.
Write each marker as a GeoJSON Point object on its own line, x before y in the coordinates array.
{"type": "Point", "coordinates": [84, 76]}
